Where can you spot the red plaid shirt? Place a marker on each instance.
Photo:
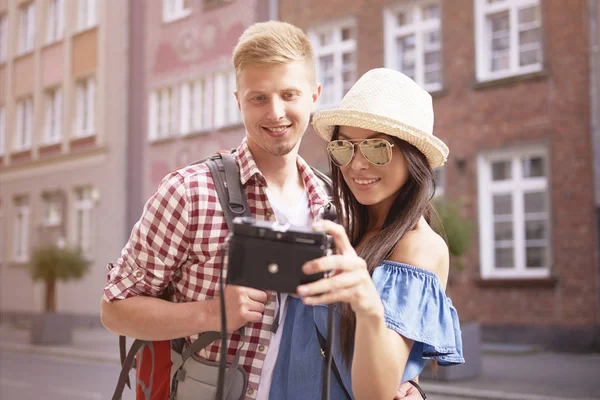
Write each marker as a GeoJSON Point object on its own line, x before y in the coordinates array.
{"type": "Point", "coordinates": [177, 239]}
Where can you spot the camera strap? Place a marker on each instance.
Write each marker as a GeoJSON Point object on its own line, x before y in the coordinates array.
{"type": "Point", "coordinates": [226, 177]}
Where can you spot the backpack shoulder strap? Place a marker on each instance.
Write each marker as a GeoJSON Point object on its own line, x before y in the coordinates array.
{"type": "Point", "coordinates": [226, 176]}
{"type": "Point", "coordinates": [330, 210]}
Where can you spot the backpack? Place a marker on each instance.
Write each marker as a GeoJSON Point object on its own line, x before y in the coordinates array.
{"type": "Point", "coordinates": [158, 363]}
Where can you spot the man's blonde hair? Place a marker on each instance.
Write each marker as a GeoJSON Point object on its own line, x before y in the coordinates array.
{"type": "Point", "coordinates": [272, 43]}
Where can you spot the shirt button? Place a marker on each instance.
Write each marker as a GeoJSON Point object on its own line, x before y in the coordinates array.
{"type": "Point", "coordinates": [250, 392]}
{"type": "Point", "coordinates": [138, 274]}
{"type": "Point", "coordinates": [261, 348]}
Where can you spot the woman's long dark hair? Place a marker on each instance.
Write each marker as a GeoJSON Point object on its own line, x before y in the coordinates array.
{"type": "Point", "coordinates": [412, 202]}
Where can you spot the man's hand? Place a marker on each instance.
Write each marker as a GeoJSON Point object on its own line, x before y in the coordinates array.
{"type": "Point", "coordinates": [242, 305]}
{"type": "Point", "coordinates": [406, 391]}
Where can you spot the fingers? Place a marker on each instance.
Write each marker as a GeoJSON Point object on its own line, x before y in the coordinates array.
{"type": "Point", "coordinates": [334, 283]}
{"type": "Point", "coordinates": [334, 262]}
{"type": "Point", "coordinates": [338, 296]}
{"type": "Point", "coordinates": [337, 232]}
{"type": "Point", "coordinates": [251, 293]}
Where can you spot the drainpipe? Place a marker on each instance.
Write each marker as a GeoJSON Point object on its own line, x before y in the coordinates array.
{"type": "Point", "coordinates": [273, 10]}
{"type": "Point", "coordinates": [594, 117]}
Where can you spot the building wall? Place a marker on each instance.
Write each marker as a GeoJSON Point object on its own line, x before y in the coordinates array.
{"type": "Point", "coordinates": [96, 160]}
{"type": "Point", "coordinates": [196, 46]}
{"type": "Point", "coordinates": [550, 108]}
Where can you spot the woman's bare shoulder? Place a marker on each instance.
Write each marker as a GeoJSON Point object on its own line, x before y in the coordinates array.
{"type": "Point", "coordinates": [424, 248]}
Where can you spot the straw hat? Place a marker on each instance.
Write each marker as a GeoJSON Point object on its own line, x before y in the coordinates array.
{"type": "Point", "coordinates": [387, 101]}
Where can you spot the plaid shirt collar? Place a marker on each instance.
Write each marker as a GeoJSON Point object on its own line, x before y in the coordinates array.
{"type": "Point", "coordinates": [316, 193]}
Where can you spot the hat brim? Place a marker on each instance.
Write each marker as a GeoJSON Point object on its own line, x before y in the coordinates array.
{"type": "Point", "coordinates": [432, 147]}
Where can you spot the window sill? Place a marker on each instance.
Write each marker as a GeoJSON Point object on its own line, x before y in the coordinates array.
{"type": "Point", "coordinates": [549, 282]}
{"type": "Point", "coordinates": [162, 140]}
{"type": "Point", "coordinates": [52, 43]}
{"type": "Point", "coordinates": [195, 133]}
{"type": "Point", "coordinates": [436, 94]}
{"type": "Point", "coordinates": [511, 79]}
{"type": "Point", "coordinates": [18, 263]}
{"type": "Point", "coordinates": [20, 56]}
{"type": "Point", "coordinates": [177, 17]}
{"type": "Point", "coordinates": [214, 4]}
{"type": "Point", "coordinates": [229, 127]}
{"type": "Point", "coordinates": [81, 31]}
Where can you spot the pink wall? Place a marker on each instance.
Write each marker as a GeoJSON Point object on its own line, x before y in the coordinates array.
{"type": "Point", "coordinates": [52, 64]}
{"type": "Point", "coordinates": [23, 76]}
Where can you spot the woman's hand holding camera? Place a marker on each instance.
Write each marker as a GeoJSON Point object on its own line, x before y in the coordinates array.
{"type": "Point", "coordinates": [349, 280]}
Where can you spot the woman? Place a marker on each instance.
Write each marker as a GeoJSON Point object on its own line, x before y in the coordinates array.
{"type": "Point", "coordinates": [390, 267]}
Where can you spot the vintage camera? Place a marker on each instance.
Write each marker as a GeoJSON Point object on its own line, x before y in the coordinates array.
{"type": "Point", "coordinates": [267, 255]}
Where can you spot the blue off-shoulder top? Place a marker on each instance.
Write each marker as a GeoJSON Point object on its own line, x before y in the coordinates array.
{"type": "Point", "coordinates": [416, 307]}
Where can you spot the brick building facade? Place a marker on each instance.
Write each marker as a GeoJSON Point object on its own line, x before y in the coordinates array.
{"type": "Point", "coordinates": [511, 86]}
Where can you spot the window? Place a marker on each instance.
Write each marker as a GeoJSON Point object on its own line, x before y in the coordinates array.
{"type": "Point", "coordinates": [24, 124]}
{"type": "Point", "coordinates": [53, 116]}
{"type": "Point", "coordinates": [84, 205]}
{"type": "Point", "coordinates": [85, 107]}
{"type": "Point", "coordinates": [194, 110]}
{"type": "Point", "coordinates": [514, 214]}
{"type": "Point", "coordinates": [55, 22]}
{"type": "Point", "coordinates": [175, 9]}
{"type": "Point", "coordinates": [87, 11]}
{"type": "Point", "coordinates": [335, 53]}
{"type": "Point", "coordinates": [21, 230]}
{"type": "Point", "coordinates": [439, 175]}
{"type": "Point", "coordinates": [508, 37]}
{"type": "Point", "coordinates": [26, 28]}
{"type": "Point", "coordinates": [2, 130]}
{"type": "Point", "coordinates": [160, 114]}
{"type": "Point", "coordinates": [413, 42]}
{"type": "Point", "coordinates": [226, 107]}
{"type": "Point", "coordinates": [3, 38]}
{"type": "Point", "coordinates": [52, 203]}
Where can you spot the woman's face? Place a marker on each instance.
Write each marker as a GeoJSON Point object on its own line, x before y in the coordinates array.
{"type": "Point", "coordinates": [373, 185]}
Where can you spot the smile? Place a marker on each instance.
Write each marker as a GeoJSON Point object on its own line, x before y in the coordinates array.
{"type": "Point", "coordinates": [366, 181]}
{"type": "Point", "coordinates": [278, 128]}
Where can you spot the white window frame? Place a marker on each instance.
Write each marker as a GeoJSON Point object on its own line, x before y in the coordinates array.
{"type": "Point", "coordinates": [226, 108]}
{"type": "Point", "coordinates": [194, 107]}
{"type": "Point", "coordinates": [53, 116]}
{"type": "Point", "coordinates": [87, 14]}
{"type": "Point", "coordinates": [483, 40]}
{"type": "Point", "coordinates": [175, 9]}
{"type": "Point", "coordinates": [336, 48]}
{"type": "Point", "coordinates": [160, 114]}
{"type": "Point", "coordinates": [516, 186]}
{"type": "Point", "coordinates": [3, 38]}
{"type": "Point", "coordinates": [55, 23]}
{"type": "Point", "coordinates": [24, 124]}
{"type": "Point", "coordinates": [26, 28]}
{"type": "Point", "coordinates": [21, 230]}
{"type": "Point", "coordinates": [85, 107]}
{"type": "Point", "coordinates": [84, 203]}
{"type": "Point", "coordinates": [419, 27]}
{"type": "Point", "coordinates": [2, 130]}
{"type": "Point", "coordinates": [52, 205]}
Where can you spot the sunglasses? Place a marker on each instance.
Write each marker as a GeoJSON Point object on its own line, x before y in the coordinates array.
{"type": "Point", "coordinates": [376, 151]}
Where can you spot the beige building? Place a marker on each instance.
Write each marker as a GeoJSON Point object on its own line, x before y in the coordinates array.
{"type": "Point", "coordinates": [63, 125]}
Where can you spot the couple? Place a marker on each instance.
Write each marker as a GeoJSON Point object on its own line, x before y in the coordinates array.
{"type": "Point", "coordinates": [390, 267]}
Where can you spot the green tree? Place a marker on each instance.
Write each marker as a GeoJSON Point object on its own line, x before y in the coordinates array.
{"type": "Point", "coordinates": [454, 228]}
{"type": "Point", "coordinates": [51, 264]}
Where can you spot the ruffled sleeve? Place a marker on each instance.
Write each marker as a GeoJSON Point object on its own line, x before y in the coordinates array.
{"type": "Point", "coordinates": [417, 307]}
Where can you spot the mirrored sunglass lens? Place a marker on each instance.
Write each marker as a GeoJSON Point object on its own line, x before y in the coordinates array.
{"type": "Point", "coordinates": [341, 152]}
{"type": "Point", "coordinates": [376, 151]}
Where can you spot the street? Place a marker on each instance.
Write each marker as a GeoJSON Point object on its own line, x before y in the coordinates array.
{"type": "Point", "coordinates": [26, 376]}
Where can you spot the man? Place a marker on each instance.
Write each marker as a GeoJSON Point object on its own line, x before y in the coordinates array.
{"type": "Point", "coordinates": [182, 227]}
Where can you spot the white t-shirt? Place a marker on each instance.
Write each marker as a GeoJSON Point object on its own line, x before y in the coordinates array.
{"type": "Point", "coordinates": [298, 215]}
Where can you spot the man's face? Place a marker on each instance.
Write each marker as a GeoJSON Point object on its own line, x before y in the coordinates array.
{"type": "Point", "coordinates": [276, 102]}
